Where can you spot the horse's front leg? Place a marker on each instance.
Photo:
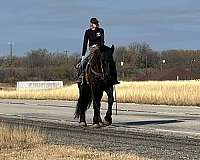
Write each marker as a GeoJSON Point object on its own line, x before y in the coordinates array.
{"type": "Point", "coordinates": [82, 122]}
{"type": "Point", "coordinates": [97, 121]}
{"type": "Point", "coordinates": [108, 118]}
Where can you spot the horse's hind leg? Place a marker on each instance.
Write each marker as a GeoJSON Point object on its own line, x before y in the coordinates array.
{"type": "Point", "coordinates": [108, 118]}
{"type": "Point", "coordinates": [82, 104]}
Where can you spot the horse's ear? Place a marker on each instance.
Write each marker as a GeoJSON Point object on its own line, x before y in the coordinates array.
{"type": "Point", "coordinates": [113, 48]}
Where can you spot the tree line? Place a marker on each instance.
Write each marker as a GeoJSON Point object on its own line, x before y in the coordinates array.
{"type": "Point", "coordinates": [132, 61]}
{"type": "Point", "coordinates": [140, 59]}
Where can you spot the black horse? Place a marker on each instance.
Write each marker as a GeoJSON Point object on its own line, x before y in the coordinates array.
{"type": "Point", "coordinates": [96, 80]}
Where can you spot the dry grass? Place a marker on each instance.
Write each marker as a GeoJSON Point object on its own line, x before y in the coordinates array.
{"type": "Point", "coordinates": [151, 92]}
{"type": "Point", "coordinates": [6, 86]}
{"type": "Point", "coordinates": [28, 144]}
{"type": "Point", "coordinates": [55, 152]}
{"type": "Point", "coordinates": [160, 92]}
{"type": "Point", "coordinates": [67, 93]}
{"type": "Point", "coordinates": [19, 137]}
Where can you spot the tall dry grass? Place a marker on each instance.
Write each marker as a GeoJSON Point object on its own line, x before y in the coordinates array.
{"type": "Point", "coordinates": [67, 93]}
{"type": "Point", "coordinates": [25, 143]}
{"type": "Point", "coordinates": [151, 92]}
{"type": "Point", "coordinates": [19, 137]}
{"type": "Point", "coordinates": [160, 92]}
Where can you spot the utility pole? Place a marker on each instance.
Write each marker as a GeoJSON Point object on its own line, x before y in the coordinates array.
{"type": "Point", "coordinates": [162, 63]}
{"type": "Point", "coordinates": [146, 63]}
{"type": "Point", "coordinates": [191, 67]}
{"type": "Point", "coordinates": [66, 53]}
{"type": "Point", "coordinates": [122, 65]}
{"type": "Point", "coordinates": [11, 52]}
{"type": "Point", "coordinates": [11, 59]}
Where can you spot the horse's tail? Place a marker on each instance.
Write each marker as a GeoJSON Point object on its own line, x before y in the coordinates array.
{"type": "Point", "coordinates": [84, 101]}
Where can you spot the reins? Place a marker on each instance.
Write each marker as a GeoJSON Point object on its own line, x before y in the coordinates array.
{"type": "Point", "coordinates": [89, 67]}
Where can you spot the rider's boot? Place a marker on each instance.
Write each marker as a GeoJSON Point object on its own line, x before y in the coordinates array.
{"type": "Point", "coordinates": [79, 77]}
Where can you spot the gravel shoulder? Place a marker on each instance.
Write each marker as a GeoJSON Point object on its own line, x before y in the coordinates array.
{"type": "Point", "coordinates": [140, 142]}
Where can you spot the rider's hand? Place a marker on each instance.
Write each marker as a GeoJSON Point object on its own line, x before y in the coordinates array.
{"type": "Point", "coordinates": [82, 57]}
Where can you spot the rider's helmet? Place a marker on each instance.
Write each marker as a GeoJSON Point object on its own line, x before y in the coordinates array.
{"type": "Point", "coordinates": [94, 21]}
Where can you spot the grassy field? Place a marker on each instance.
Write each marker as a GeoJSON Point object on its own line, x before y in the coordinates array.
{"type": "Point", "coordinates": [6, 86]}
{"type": "Point", "coordinates": [151, 92]}
{"type": "Point", "coordinates": [27, 143]}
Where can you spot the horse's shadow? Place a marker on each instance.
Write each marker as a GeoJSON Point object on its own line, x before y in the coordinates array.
{"type": "Point", "coordinates": [150, 122]}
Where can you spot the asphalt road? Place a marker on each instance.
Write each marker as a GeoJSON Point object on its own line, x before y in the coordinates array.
{"type": "Point", "coordinates": [159, 132]}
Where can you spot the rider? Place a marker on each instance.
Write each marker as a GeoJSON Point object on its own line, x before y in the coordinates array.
{"type": "Point", "coordinates": [95, 36]}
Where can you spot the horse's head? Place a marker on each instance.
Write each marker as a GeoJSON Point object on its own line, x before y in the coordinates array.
{"type": "Point", "coordinates": [107, 53]}
{"type": "Point", "coordinates": [107, 59]}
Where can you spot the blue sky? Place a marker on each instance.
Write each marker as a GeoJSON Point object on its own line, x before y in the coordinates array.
{"type": "Point", "coordinates": [59, 25]}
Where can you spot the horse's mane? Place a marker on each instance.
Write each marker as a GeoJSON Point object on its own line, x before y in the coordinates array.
{"type": "Point", "coordinates": [98, 66]}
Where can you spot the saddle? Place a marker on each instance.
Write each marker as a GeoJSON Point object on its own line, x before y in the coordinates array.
{"type": "Point", "coordinates": [82, 69]}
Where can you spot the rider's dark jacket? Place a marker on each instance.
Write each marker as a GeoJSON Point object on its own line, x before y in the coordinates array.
{"type": "Point", "coordinates": [94, 37]}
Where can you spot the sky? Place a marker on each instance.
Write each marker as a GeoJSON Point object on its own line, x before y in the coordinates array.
{"type": "Point", "coordinates": [59, 25]}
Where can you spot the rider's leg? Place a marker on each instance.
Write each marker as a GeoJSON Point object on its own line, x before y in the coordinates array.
{"type": "Point", "coordinates": [82, 66]}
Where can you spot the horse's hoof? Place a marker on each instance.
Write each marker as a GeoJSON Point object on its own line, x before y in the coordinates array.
{"type": "Point", "coordinates": [96, 126]}
{"type": "Point", "coordinates": [82, 124]}
{"type": "Point", "coordinates": [101, 124]}
{"type": "Point", "coordinates": [106, 123]}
